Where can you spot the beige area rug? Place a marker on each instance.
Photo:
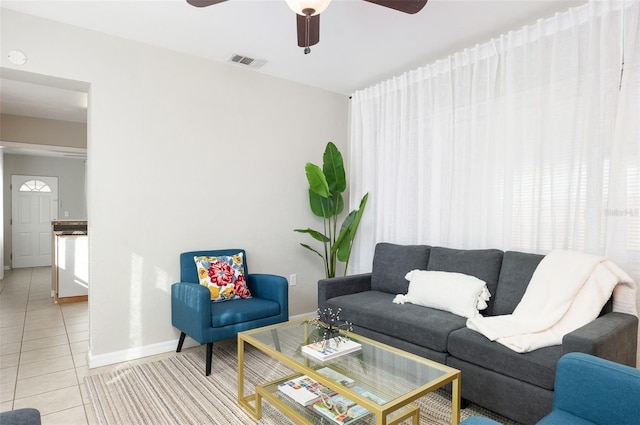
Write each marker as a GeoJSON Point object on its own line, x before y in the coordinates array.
{"type": "Point", "coordinates": [176, 391]}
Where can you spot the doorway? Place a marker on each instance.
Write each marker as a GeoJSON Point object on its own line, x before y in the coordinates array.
{"type": "Point", "coordinates": [34, 203]}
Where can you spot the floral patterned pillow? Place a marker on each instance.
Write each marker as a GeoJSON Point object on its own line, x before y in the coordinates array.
{"type": "Point", "coordinates": [224, 276]}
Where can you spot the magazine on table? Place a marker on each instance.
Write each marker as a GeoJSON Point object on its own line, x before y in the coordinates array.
{"type": "Point", "coordinates": [371, 396]}
{"type": "Point", "coordinates": [340, 409]}
{"type": "Point", "coordinates": [303, 389]}
{"type": "Point", "coordinates": [331, 348]}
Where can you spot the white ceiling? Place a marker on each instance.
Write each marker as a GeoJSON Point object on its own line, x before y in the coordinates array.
{"type": "Point", "coordinates": [360, 45]}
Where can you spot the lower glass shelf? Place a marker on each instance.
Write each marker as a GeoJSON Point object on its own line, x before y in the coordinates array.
{"type": "Point", "coordinates": [308, 415]}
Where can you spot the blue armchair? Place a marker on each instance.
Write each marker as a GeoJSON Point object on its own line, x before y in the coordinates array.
{"type": "Point", "coordinates": [194, 314]}
{"type": "Point", "coordinates": [592, 390]}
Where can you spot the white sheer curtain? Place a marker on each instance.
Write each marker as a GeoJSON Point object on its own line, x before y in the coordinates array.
{"type": "Point", "coordinates": [528, 142]}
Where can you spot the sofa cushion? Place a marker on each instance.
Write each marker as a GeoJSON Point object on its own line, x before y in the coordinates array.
{"type": "Point", "coordinates": [537, 367]}
{"type": "Point", "coordinates": [456, 293]}
{"type": "Point", "coordinates": [242, 310]}
{"type": "Point", "coordinates": [516, 272]}
{"type": "Point", "coordinates": [223, 275]}
{"type": "Point", "coordinates": [481, 263]}
{"type": "Point", "coordinates": [419, 325]}
{"type": "Point", "coordinates": [392, 262]}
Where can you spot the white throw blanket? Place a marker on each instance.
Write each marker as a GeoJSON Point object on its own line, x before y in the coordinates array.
{"type": "Point", "coordinates": [567, 291]}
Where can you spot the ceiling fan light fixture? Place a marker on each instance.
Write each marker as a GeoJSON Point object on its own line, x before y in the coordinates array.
{"type": "Point", "coordinates": [303, 7]}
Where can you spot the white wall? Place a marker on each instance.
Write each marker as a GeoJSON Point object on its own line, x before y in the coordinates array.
{"type": "Point", "coordinates": [183, 153]}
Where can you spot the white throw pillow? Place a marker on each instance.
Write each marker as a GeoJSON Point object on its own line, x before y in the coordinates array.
{"type": "Point", "coordinates": [456, 293]}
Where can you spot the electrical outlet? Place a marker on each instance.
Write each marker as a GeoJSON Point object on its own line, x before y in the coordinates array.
{"type": "Point", "coordinates": [292, 280]}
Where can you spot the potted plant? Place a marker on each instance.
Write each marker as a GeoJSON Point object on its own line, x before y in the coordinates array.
{"type": "Point", "coordinates": [326, 186]}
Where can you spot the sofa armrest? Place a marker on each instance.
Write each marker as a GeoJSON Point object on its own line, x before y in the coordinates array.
{"type": "Point", "coordinates": [613, 336]}
{"type": "Point", "coordinates": [191, 309]}
{"type": "Point", "coordinates": [345, 285]}
{"type": "Point", "coordinates": [270, 287]}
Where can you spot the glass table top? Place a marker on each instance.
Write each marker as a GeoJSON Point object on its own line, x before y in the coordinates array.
{"type": "Point", "coordinates": [389, 372]}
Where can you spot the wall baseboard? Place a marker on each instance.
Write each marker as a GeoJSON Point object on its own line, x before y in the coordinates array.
{"type": "Point", "coordinates": [152, 349]}
{"type": "Point", "coordinates": [137, 352]}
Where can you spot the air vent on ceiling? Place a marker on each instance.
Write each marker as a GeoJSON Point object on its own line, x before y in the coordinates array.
{"type": "Point", "coordinates": [244, 60]}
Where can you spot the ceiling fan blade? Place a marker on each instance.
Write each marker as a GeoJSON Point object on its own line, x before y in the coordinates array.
{"type": "Point", "coordinates": [406, 6]}
{"type": "Point", "coordinates": [314, 30]}
{"type": "Point", "coordinates": [204, 3]}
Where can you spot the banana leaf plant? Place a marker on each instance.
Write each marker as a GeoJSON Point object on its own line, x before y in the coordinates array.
{"type": "Point", "coordinates": [326, 186]}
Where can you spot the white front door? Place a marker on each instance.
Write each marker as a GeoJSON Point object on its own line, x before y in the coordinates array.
{"type": "Point", "coordinates": [34, 203]}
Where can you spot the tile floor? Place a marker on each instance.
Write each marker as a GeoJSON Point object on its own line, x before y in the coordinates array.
{"type": "Point", "coordinates": [43, 350]}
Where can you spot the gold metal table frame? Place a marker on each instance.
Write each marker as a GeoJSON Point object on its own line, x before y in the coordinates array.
{"type": "Point", "coordinates": [396, 410]}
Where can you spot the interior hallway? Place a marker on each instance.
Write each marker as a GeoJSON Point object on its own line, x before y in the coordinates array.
{"type": "Point", "coordinates": [43, 350]}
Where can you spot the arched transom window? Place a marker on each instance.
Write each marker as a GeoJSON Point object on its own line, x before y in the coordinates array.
{"type": "Point", "coordinates": [35, 186]}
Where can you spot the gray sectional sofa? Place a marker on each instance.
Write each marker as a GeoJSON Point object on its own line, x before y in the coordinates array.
{"type": "Point", "coordinates": [516, 385]}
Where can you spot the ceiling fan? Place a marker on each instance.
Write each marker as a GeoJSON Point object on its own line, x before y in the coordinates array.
{"type": "Point", "coordinates": [308, 14]}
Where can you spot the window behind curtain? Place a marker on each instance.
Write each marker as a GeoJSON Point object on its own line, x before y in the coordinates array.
{"type": "Point", "coordinates": [528, 142]}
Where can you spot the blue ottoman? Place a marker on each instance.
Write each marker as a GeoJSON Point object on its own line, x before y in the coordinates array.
{"type": "Point", "coordinates": [20, 417]}
{"type": "Point", "coordinates": [478, 420]}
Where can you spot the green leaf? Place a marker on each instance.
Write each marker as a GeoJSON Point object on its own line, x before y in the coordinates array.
{"type": "Point", "coordinates": [356, 220]}
{"type": "Point", "coordinates": [335, 205]}
{"type": "Point", "coordinates": [311, 249]}
{"type": "Point", "coordinates": [314, 234]}
{"type": "Point", "coordinates": [317, 181]}
{"type": "Point", "coordinates": [342, 246]}
{"type": "Point", "coordinates": [343, 243]}
{"type": "Point", "coordinates": [319, 205]}
{"type": "Point", "coordinates": [333, 168]}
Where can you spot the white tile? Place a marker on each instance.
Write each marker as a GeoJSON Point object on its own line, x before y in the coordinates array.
{"type": "Point", "coordinates": [43, 333]}
{"type": "Point", "coordinates": [76, 320]}
{"type": "Point", "coordinates": [41, 304]}
{"type": "Point", "coordinates": [46, 342]}
{"type": "Point", "coordinates": [44, 383]}
{"type": "Point", "coordinates": [45, 314]}
{"type": "Point", "coordinates": [78, 327]}
{"type": "Point", "coordinates": [79, 347]}
{"type": "Point", "coordinates": [52, 401]}
{"type": "Point", "coordinates": [74, 416]}
{"type": "Point", "coordinates": [11, 330]}
{"type": "Point", "coordinates": [75, 310]}
{"type": "Point", "coordinates": [9, 374]}
{"type": "Point", "coordinates": [7, 390]}
{"type": "Point", "coordinates": [80, 359]}
{"type": "Point", "coordinates": [44, 354]}
{"type": "Point", "coordinates": [43, 323]}
{"type": "Point", "coordinates": [10, 339]}
{"type": "Point", "coordinates": [9, 360]}
{"type": "Point", "coordinates": [79, 336]}
{"type": "Point", "coordinates": [10, 348]}
{"type": "Point", "coordinates": [12, 322]}
{"type": "Point", "coordinates": [45, 367]}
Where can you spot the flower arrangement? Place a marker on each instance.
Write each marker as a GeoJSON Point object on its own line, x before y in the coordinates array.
{"type": "Point", "coordinates": [329, 325]}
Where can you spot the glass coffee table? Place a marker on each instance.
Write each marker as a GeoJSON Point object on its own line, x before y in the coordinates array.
{"type": "Point", "coordinates": [382, 379]}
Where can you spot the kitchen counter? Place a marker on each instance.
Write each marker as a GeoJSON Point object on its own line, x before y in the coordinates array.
{"type": "Point", "coordinates": [70, 260]}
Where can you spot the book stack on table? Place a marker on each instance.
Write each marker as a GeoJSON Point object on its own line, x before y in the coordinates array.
{"type": "Point", "coordinates": [313, 395]}
{"type": "Point", "coordinates": [331, 348]}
